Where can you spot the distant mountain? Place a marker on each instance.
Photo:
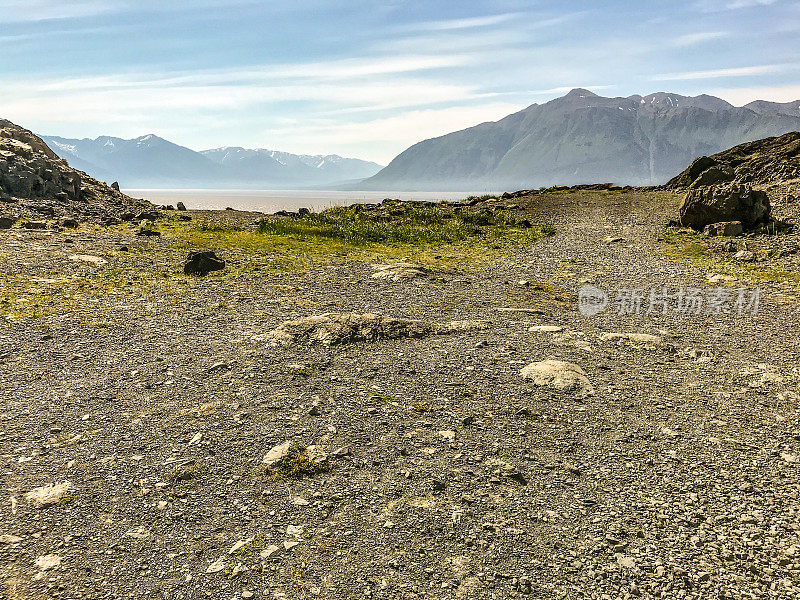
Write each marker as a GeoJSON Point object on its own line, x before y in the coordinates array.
{"type": "Point", "coordinates": [258, 165]}
{"type": "Point", "coordinates": [35, 183]}
{"type": "Point", "coordinates": [585, 138]}
{"type": "Point", "coordinates": [151, 161]}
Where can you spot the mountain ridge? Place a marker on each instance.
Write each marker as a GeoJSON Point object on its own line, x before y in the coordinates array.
{"type": "Point", "coordinates": [152, 161]}
{"type": "Point", "coordinates": [583, 138]}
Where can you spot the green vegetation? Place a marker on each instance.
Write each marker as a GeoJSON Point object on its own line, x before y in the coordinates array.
{"type": "Point", "coordinates": [66, 499]}
{"type": "Point", "coordinates": [299, 371]}
{"type": "Point", "coordinates": [691, 247]}
{"type": "Point", "coordinates": [296, 464]}
{"type": "Point", "coordinates": [150, 273]}
{"type": "Point", "coordinates": [411, 225]}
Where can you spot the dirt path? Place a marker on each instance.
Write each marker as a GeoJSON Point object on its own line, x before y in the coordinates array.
{"type": "Point", "coordinates": [450, 475]}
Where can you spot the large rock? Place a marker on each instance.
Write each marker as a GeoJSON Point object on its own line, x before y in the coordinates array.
{"type": "Point", "coordinates": [202, 263]}
{"type": "Point", "coordinates": [559, 375]}
{"type": "Point", "coordinates": [715, 175]}
{"type": "Point", "coordinates": [342, 328]}
{"type": "Point", "coordinates": [707, 205]}
{"type": "Point", "coordinates": [725, 228]}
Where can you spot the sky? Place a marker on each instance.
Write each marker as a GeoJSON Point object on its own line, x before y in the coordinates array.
{"type": "Point", "coordinates": [368, 78]}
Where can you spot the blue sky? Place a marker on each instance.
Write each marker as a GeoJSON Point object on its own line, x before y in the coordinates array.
{"type": "Point", "coordinates": [368, 78]}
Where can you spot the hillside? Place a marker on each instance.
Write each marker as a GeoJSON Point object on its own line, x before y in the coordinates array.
{"type": "Point", "coordinates": [768, 161]}
{"type": "Point", "coordinates": [583, 137]}
{"type": "Point", "coordinates": [151, 161]}
{"type": "Point", "coordinates": [34, 181]}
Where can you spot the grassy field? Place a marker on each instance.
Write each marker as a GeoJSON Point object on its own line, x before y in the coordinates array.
{"type": "Point", "coordinates": [150, 272]}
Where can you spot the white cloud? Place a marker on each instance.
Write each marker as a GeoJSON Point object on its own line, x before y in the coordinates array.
{"type": "Point", "coordinates": [469, 23]}
{"type": "Point", "coordinates": [717, 73]}
{"type": "Point", "coordinates": [692, 39]}
{"type": "Point", "coordinates": [21, 11]}
{"type": "Point", "coordinates": [722, 5]}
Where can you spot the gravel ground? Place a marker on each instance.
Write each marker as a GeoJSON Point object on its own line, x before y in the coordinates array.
{"type": "Point", "coordinates": [450, 475]}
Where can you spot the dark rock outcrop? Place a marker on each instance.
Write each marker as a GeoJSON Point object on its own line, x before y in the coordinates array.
{"type": "Point", "coordinates": [30, 171]}
{"type": "Point", "coordinates": [766, 161]}
{"type": "Point", "coordinates": [713, 204]}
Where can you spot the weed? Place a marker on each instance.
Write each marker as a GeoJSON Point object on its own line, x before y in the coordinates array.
{"type": "Point", "coordinates": [297, 463]}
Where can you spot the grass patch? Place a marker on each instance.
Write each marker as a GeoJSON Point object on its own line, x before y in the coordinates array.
{"type": "Point", "coordinates": [298, 371]}
{"type": "Point", "coordinates": [412, 225]}
{"type": "Point", "coordinates": [149, 276]}
{"type": "Point", "coordinates": [693, 248]}
{"type": "Point", "coordinates": [435, 235]}
{"type": "Point", "coordinates": [295, 465]}
{"type": "Point", "coordinates": [66, 499]}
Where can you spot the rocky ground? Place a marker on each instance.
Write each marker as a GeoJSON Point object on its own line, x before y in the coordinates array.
{"type": "Point", "coordinates": [420, 462]}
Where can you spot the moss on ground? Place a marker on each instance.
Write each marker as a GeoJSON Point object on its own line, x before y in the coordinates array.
{"type": "Point", "coordinates": [151, 273]}
{"type": "Point", "coordinates": [691, 247]}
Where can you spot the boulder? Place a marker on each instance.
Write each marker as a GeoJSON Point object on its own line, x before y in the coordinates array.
{"type": "Point", "coordinates": [713, 204]}
{"type": "Point", "coordinates": [202, 263]}
{"type": "Point", "coordinates": [724, 228]}
{"type": "Point", "coordinates": [714, 176]}
{"type": "Point", "coordinates": [180, 206]}
{"type": "Point", "coordinates": [559, 375]}
{"type": "Point", "coordinates": [115, 186]}
{"type": "Point", "coordinates": [343, 328]}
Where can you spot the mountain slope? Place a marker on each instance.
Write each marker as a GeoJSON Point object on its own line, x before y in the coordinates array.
{"type": "Point", "coordinates": [584, 138]}
{"type": "Point", "coordinates": [151, 161]}
{"type": "Point", "coordinates": [767, 161]}
{"type": "Point", "coordinates": [271, 165]}
{"type": "Point", "coordinates": [35, 182]}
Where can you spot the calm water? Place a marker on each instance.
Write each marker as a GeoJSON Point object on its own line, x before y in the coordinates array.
{"type": "Point", "coordinates": [270, 201]}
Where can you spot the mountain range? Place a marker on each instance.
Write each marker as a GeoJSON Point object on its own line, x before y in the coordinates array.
{"type": "Point", "coordinates": [585, 138]}
{"type": "Point", "coordinates": [152, 162]}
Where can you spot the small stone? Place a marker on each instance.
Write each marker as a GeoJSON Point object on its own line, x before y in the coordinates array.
{"type": "Point", "coordinates": [245, 593]}
{"type": "Point", "coordinates": [48, 561]}
{"type": "Point", "coordinates": [269, 551]}
{"type": "Point", "coordinates": [277, 453]}
{"type": "Point", "coordinates": [239, 545]}
{"type": "Point", "coordinates": [202, 263]}
{"type": "Point", "coordinates": [298, 501]}
{"type": "Point", "coordinates": [559, 375]}
{"type": "Point", "coordinates": [744, 256]}
{"type": "Point", "coordinates": [545, 329]}
{"type": "Point", "coordinates": [288, 545]}
{"type": "Point", "coordinates": [196, 438]}
{"type": "Point", "coordinates": [294, 530]}
{"type": "Point", "coordinates": [7, 538]}
{"type": "Point", "coordinates": [95, 260]}
{"type": "Point", "coordinates": [628, 562]}
{"type": "Point", "coordinates": [47, 495]}
{"type": "Point", "coordinates": [448, 435]}
{"type": "Point", "coordinates": [217, 566]}
{"type": "Point", "coordinates": [139, 533]}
